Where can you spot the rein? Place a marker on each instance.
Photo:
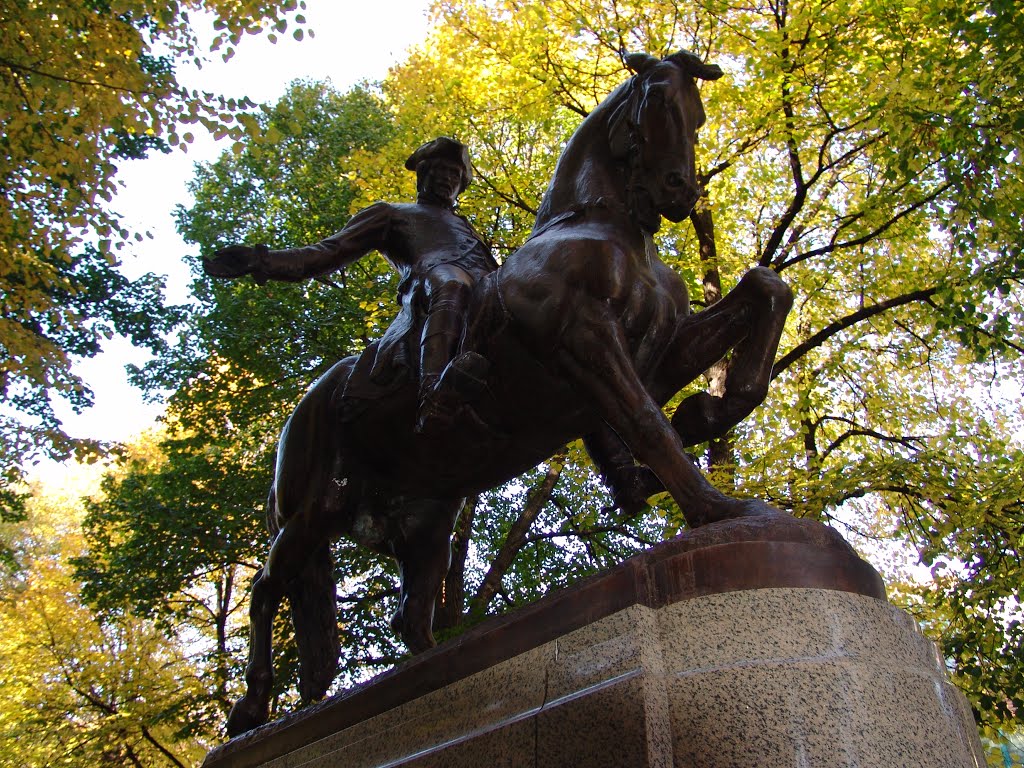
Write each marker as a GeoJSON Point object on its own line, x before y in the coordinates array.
{"type": "Point", "coordinates": [626, 142]}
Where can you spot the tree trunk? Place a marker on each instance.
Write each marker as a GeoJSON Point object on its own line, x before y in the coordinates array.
{"type": "Point", "coordinates": [720, 453]}
{"type": "Point", "coordinates": [449, 607]}
{"type": "Point", "coordinates": [535, 502]}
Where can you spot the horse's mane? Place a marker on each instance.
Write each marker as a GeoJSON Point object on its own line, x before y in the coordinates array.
{"type": "Point", "coordinates": [606, 119]}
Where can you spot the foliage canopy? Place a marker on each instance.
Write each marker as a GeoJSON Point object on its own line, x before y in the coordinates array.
{"type": "Point", "coordinates": [81, 688]}
{"type": "Point", "coordinates": [869, 153]}
{"type": "Point", "coordinates": [85, 84]}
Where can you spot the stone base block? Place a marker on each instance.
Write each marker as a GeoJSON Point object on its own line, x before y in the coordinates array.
{"type": "Point", "coordinates": [675, 658]}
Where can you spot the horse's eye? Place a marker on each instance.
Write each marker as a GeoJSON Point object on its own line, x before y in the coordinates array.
{"type": "Point", "coordinates": [656, 96]}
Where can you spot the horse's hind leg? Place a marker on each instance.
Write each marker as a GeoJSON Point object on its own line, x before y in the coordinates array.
{"type": "Point", "coordinates": [305, 512]}
{"type": "Point", "coordinates": [265, 596]}
{"type": "Point", "coordinates": [630, 484]}
{"type": "Point", "coordinates": [421, 543]}
{"type": "Point", "coordinates": [749, 320]}
{"type": "Point", "coordinates": [313, 606]}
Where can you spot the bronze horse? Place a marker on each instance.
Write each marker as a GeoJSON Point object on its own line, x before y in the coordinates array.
{"type": "Point", "coordinates": [585, 332]}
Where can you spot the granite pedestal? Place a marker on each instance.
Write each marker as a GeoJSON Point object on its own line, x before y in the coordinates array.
{"type": "Point", "coordinates": [747, 643]}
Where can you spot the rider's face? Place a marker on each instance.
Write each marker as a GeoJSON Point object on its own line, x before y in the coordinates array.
{"type": "Point", "coordinates": [440, 179]}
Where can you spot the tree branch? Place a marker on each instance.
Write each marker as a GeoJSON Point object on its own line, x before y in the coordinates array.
{"type": "Point", "coordinates": [163, 750]}
{"type": "Point", "coordinates": [802, 187]}
{"type": "Point", "coordinates": [856, 431]}
{"type": "Point", "coordinates": [868, 237]}
{"type": "Point", "coordinates": [15, 67]}
{"type": "Point", "coordinates": [744, 146]}
{"type": "Point", "coordinates": [591, 533]}
{"type": "Point", "coordinates": [373, 597]}
{"type": "Point", "coordinates": [568, 99]}
{"type": "Point", "coordinates": [448, 612]}
{"type": "Point", "coordinates": [842, 324]}
{"type": "Point", "coordinates": [517, 534]}
{"type": "Point", "coordinates": [515, 201]}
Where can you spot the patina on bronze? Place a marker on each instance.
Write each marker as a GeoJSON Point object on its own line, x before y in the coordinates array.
{"type": "Point", "coordinates": [583, 331]}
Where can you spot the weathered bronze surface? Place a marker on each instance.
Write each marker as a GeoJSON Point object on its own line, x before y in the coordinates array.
{"type": "Point", "coordinates": [582, 332]}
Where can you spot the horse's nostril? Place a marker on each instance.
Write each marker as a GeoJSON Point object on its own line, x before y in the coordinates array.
{"type": "Point", "coordinates": [675, 179]}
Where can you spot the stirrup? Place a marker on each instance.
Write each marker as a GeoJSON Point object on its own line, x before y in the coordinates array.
{"type": "Point", "coordinates": [436, 410]}
{"type": "Point", "coordinates": [466, 375]}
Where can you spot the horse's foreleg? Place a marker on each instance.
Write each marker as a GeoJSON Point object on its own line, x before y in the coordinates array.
{"type": "Point", "coordinates": [421, 543]}
{"type": "Point", "coordinates": [595, 357]}
{"type": "Point", "coordinates": [749, 320]}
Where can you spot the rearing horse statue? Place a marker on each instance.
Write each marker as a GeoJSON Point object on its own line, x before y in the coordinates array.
{"type": "Point", "coordinates": [585, 332]}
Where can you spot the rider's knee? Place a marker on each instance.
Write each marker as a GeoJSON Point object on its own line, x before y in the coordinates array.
{"type": "Point", "coordinates": [448, 277]}
{"type": "Point", "coordinates": [453, 294]}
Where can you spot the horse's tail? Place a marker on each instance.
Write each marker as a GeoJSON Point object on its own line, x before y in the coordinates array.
{"type": "Point", "coordinates": [314, 607]}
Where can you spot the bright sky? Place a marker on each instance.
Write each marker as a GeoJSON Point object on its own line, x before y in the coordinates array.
{"type": "Point", "coordinates": [353, 42]}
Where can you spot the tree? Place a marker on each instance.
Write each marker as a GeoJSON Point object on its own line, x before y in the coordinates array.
{"type": "Point", "coordinates": [243, 358]}
{"type": "Point", "coordinates": [85, 84]}
{"type": "Point", "coordinates": [193, 589]}
{"type": "Point", "coordinates": [906, 264]}
{"type": "Point", "coordinates": [82, 688]}
{"type": "Point", "coordinates": [842, 151]}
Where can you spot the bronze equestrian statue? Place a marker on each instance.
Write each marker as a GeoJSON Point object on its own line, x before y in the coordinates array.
{"type": "Point", "coordinates": [582, 331]}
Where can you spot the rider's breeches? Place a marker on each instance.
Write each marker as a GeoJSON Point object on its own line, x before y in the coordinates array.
{"type": "Point", "coordinates": [442, 329]}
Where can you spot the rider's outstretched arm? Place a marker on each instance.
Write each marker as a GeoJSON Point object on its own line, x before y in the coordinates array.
{"type": "Point", "coordinates": [366, 231]}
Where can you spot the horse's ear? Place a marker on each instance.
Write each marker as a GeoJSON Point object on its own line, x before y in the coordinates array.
{"type": "Point", "coordinates": [639, 62]}
{"type": "Point", "coordinates": [692, 65]}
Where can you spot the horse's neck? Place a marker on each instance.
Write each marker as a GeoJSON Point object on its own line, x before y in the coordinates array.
{"type": "Point", "coordinates": [585, 174]}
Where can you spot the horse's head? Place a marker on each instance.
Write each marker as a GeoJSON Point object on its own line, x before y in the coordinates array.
{"type": "Point", "coordinates": [654, 130]}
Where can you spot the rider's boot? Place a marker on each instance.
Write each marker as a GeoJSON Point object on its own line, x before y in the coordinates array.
{"type": "Point", "coordinates": [442, 332]}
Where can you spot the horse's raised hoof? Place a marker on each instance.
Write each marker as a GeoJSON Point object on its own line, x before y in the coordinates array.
{"type": "Point", "coordinates": [417, 638]}
{"type": "Point", "coordinates": [245, 716]}
{"type": "Point", "coordinates": [632, 487]}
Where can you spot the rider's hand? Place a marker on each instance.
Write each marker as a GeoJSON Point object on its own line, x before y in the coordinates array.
{"type": "Point", "coordinates": [235, 261]}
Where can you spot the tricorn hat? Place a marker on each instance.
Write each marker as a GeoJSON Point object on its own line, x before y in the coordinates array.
{"type": "Point", "coordinates": [443, 147]}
